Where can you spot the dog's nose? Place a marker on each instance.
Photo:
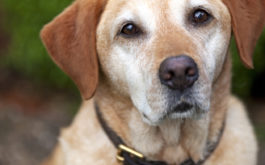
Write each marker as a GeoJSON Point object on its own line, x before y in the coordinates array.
{"type": "Point", "coordinates": [179, 72]}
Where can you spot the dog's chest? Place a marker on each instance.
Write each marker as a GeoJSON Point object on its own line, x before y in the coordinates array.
{"type": "Point", "coordinates": [172, 141]}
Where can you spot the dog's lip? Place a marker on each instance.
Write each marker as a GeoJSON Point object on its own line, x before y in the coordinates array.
{"type": "Point", "coordinates": [177, 109]}
{"type": "Point", "coordinates": [180, 108]}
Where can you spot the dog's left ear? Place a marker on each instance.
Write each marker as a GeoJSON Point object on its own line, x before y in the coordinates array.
{"type": "Point", "coordinates": [248, 19]}
{"type": "Point", "coordinates": [71, 41]}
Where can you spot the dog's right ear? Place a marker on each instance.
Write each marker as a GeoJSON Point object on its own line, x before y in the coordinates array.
{"type": "Point", "coordinates": [71, 41]}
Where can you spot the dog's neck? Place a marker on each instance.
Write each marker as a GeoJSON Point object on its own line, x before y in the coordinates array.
{"type": "Point", "coordinates": [173, 140]}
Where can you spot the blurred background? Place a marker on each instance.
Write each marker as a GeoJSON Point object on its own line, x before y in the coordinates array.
{"type": "Point", "coordinates": [36, 98]}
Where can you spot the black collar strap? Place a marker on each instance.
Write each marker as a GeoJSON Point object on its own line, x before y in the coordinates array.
{"type": "Point", "coordinates": [129, 156]}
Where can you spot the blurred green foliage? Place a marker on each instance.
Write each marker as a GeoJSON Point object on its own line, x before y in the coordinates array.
{"type": "Point", "coordinates": [26, 54]}
{"type": "Point", "coordinates": [23, 21]}
{"type": "Point", "coordinates": [260, 131]}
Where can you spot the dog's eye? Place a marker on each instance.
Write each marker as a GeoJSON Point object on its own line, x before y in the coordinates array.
{"type": "Point", "coordinates": [200, 16]}
{"type": "Point", "coordinates": [130, 30]}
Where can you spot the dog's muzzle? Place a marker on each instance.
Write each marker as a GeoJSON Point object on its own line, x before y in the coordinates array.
{"type": "Point", "coordinates": [178, 74]}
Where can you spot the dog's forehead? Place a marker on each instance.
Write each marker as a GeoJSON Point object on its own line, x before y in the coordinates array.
{"type": "Point", "coordinates": [159, 7]}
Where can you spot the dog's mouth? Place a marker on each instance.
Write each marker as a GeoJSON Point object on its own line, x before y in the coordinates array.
{"type": "Point", "coordinates": [180, 108]}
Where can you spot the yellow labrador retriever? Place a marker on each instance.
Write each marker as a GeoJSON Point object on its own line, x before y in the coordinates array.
{"type": "Point", "coordinates": [157, 76]}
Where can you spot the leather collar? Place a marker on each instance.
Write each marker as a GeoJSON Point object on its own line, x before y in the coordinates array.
{"type": "Point", "coordinates": [128, 156]}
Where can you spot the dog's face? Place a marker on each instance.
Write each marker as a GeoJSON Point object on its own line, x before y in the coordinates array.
{"type": "Point", "coordinates": [151, 46]}
{"type": "Point", "coordinates": [164, 55]}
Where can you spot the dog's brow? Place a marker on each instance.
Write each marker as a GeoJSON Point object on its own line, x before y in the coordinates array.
{"type": "Point", "coordinates": [142, 14]}
{"type": "Point", "coordinates": [123, 17]}
{"type": "Point", "coordinates": [198, 2]}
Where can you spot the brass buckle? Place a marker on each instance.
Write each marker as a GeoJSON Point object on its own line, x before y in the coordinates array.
{"type": "Point", "coordinates": [123, 148]}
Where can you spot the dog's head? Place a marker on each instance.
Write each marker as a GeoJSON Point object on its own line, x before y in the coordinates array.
{"type": "Point", "coordinates": [164, 55]}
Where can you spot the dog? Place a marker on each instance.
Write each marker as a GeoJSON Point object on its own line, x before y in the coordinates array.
{"type": "Point", "coordinates": [157, 75]}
